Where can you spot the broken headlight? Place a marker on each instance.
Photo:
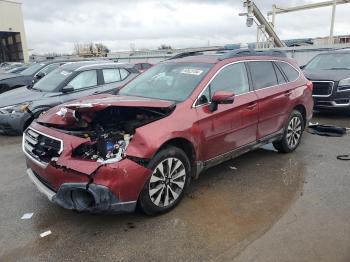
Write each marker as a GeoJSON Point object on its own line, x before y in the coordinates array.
{"type": "Point", "coordinates": [19, 108]}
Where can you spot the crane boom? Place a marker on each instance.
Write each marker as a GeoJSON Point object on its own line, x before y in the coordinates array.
{"type": "Point", "coordinates": [253, 10]}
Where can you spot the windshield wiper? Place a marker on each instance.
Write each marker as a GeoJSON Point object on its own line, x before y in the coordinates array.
{"type": "Point", "coordinates": [339, 68]}
{"type": "Point", "coordinates": [33, 88]}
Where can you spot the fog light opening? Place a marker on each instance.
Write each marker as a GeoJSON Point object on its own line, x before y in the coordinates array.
{"type": "Point", "coordinates": [82, 199]}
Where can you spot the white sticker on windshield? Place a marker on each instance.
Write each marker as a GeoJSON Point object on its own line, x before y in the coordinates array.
{"type": "Point", "coordinates": [65, 73]}
{"type": "Point", "coordinates": [191, 71]}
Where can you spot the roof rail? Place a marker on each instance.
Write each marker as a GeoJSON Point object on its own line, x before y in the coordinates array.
{"type": "Point", "coordinates": [252, 52]}
{"type": "Point", "coordinates": [194, 53]}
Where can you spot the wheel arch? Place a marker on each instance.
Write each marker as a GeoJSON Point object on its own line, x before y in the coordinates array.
{"type": "Point", "coordinates": [185, 145]}
{"type": "Point", "coordinates": [301, 108]}
{"type": "Point", "coordinates": [34, 114]}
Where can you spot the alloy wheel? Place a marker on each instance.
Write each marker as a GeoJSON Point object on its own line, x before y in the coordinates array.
{"type": "Point", "coordinates": [294, 132]}
{"type": "Point", "coordinates": [167, 182]}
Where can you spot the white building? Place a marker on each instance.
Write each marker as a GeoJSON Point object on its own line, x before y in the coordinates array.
{"type": "Point", "coordinates": [13, 43]}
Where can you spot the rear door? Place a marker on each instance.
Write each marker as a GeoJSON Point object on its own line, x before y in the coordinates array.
{"type": "Point", "coordinates": [273, 96]}
{"type": "Point", "coordinates": [231, 125]}
{"type": "Point", "coordinates": [113, 78]}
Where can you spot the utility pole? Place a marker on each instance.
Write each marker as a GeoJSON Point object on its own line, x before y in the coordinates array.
{"type": "Point", "coordinates": [331, 39]}
{"type": "Point", "coordinates": [273, 15]}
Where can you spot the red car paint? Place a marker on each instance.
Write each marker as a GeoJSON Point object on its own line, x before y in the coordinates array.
{"type": "Point", "coordinates": [252, 116]}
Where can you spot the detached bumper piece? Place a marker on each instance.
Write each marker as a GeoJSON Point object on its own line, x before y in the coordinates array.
{"type": "Point", "coordinates": [83, 197]}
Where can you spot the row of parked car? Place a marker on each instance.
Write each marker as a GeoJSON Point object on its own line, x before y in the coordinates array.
{"type": "Point", "coordinates": [138, 141]}
{"type": "Point", "coordinates": [23, 97]}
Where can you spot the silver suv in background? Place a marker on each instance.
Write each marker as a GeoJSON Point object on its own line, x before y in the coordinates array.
{"type": "Point", "coordinates": [19, 107]}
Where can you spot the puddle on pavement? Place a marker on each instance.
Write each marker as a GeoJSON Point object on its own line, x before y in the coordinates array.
{"type": "Point", "coordinates": [226, 207]}
{"type": "Point", "coordinates": [223, 211]}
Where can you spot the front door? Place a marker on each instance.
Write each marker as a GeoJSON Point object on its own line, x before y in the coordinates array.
{"type": "Point", "coordinates": [231, 125]}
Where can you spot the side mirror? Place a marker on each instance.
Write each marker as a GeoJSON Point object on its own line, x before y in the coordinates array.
{"type": "Point", "coordinates": [221, 97]}
{"type": "Point", "coordinates": [302, 67]}
{"type": "Point", "coordinates": [67, 89]}
{"type": "Point", "coordinates": [39, 75]}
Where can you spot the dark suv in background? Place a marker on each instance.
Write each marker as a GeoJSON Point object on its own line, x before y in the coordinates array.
{"type": "Point", "coordinates": [69, 82]}
{"type": "Point", "coordinates": [330, 74]}
{"type": "Point", "coordinates": [26, 77]}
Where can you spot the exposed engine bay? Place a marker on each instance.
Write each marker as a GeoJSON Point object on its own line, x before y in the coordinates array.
{"type": "Point", "coordinates": [106, 147]}
{"type": "Point", "coordinates": [110, 130]}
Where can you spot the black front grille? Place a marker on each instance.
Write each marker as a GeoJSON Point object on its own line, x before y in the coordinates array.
{"type": "Point", "coordinates": [41, 147]}
{"type": "Point", "coordinates": [322, 88]}
{"type": "Point", "coordinates": [323, 103]}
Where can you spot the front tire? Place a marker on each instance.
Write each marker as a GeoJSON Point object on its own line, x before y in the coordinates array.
{"type": "Point", "coordinates": [166, 186]}
{"type": "Point", "coordinates": [292, 133]}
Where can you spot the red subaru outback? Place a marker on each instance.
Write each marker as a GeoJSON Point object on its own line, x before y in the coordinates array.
{"type": "Point", "coordinates": [182, 116]}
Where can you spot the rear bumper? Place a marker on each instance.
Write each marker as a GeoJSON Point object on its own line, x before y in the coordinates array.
{"type": "Point", "coordinates": [83, 197]}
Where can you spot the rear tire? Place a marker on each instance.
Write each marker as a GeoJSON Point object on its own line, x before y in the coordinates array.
{"type": "Point", "coordinates": [169, 180]}
{"type": "Point", "coordinates": [292, 133]}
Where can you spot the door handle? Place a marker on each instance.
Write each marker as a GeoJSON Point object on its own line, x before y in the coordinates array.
{"type": "Point", "coordinates": [251, 106]}
{"type": "Point", "coordinates": [288, 93]}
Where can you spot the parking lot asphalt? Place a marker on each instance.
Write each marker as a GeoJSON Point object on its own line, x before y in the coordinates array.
{"type": "Point", "coordinates": [263, 206]}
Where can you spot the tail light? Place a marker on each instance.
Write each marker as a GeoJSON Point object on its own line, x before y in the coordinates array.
{"type": "Point", "coordinates": [310, 85]}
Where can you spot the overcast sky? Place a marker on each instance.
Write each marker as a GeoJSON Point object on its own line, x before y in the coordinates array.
{"type": "Point", "coordinates": [54, 26]}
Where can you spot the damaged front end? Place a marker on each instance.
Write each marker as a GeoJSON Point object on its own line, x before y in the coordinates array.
{"type": "Point", "coordinates": [77, 153]}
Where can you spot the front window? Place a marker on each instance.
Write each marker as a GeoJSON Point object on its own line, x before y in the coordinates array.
{"type": "Point", "coordinates": [31, 70]}
{"type": "Point", "coordinates": [84, 80]}
{"type": "Point", "coordinates": [51, 81]}
{"type": "Point", "coordinates": [330, 62]}
{"type": "Point", "coordinates": [168, 81]}
{"type": "Point", "coordinates": [48, 69]}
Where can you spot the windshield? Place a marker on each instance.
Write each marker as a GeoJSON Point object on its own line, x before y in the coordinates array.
{"type": "Point", "coordinates": [167, 81]}
{"type": "Point", "coordinates": [330, 61]}
{"type": "Point", "coordinates": [32, 69]}
{"type": "Point", "coordinates": [52, 80]}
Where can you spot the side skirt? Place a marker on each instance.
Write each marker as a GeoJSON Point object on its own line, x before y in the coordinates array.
{"type": "Point", "coordinates": [203, 165]}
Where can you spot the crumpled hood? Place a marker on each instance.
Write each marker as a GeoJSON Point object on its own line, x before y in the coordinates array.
{"type": "Point", "coordinates": [21, 95]}
{"type": "Point", "coordinates": [332, 75]}
{"type": "Point", "coordinates": [103, 101]}
{"type": "Point", "coordinates": [66, 114]}
{"type": "Point", "coordinates": [4, 76]}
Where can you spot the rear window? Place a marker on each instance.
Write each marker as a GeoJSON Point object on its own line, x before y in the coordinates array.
{"type": "Point", "coordinates": [123, 73]}
{"type": "Point", "coordinates": [111, 75]}
{"type": "Point", "coordinates": [280, 77]}
{"type": "Point", "coordinates": [146, 66]}
{"type": "Point", "coordinates": [263, 74]}
{"type": "Point", "coordinates": [291, 73]}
